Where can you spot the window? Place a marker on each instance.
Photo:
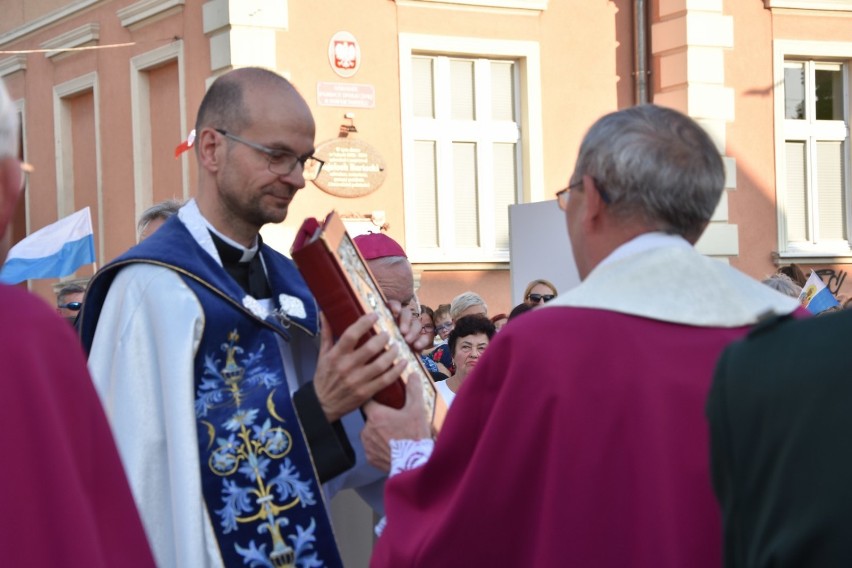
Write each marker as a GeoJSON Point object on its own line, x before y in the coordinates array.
{"type": "Point", "coordinates": [464, 155]}
{"type": "Point", "coordinates": [814, 199]}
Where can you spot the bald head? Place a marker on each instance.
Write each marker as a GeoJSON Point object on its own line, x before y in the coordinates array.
{"type": "Point", "coordinates": [395, 278]}
{"type": "Point", "coordinates": [225, 105]}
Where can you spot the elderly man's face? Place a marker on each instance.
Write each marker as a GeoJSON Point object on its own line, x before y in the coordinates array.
{"type": "Point", "coordinates": [395, 280]}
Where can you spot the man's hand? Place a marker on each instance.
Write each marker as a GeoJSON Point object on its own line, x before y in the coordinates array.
{"type": "Point", "coordinates": [385, 423]}
{"type": "Point", "coordinates": [409, 326]}
{"type": "Point", "coordinates": [347, 376]}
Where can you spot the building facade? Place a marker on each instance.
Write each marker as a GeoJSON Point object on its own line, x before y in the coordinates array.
{"type": "Point", "coordinates": [463, 106]}
{"type": "Point", "coordinates": [435, 116]}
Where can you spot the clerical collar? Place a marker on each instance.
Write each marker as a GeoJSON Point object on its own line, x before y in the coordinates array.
{"type": "Point", "coordinates": [645, 242]}
{"type": "Point", "coordinates": [231, 252]}
{"type": "Point", "coordinates": [229, 249]}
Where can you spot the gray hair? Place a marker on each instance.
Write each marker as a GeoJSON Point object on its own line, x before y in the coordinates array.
{"type": "Point", "coordinates": [464, 301]}
{"type": "Point", "coordinates": [656, 165]}
{"type": "Point", "coordinates": [388, 261]}
{"type": "Point", "coordinates": [9, 125]}
{"type": "Point", "coordinates": [784, 284]}
{"type": "Point", "coordinates": [162, 210]}
{"type": "Point", "coordinates": [67, 290]}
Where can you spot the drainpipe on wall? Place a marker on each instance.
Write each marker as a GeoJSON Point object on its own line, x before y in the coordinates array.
{"type": "Point", "coordinates": [640, 52]}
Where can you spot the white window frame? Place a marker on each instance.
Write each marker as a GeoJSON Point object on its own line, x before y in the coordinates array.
{"type": "Point", "coordinates": [530, 185]}
{"type": "Point", "coordinates": [783, 51]}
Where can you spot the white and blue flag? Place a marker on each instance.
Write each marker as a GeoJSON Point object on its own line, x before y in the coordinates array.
{"type": "Point", "coordinates": [53, 251]}
{"type": "Point", "coordinates": [815, 296]}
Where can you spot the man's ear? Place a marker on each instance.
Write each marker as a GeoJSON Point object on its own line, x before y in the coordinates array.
{"type": "Point", "coordinates": [207, 144]}
{"type": "Point", "coordinates": [594, 205]}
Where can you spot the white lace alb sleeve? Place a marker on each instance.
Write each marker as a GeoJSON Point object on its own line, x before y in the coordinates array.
{"type": "Point", "coordinates": [406, 455]}
{"type": "Point", "coordinates": [409, 454]}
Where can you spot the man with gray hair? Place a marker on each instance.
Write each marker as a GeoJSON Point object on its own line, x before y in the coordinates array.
{"type": "Point", "coordinates": [69, 301]}
{"type": "Point", "coordinates": [154, 217]}
{"type": "Point", "coordinates": [586, 416]}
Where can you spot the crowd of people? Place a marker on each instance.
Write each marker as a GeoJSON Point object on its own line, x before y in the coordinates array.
{"type": "Point", "coordinates": [669, 411]}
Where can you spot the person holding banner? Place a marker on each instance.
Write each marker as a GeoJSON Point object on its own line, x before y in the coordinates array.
{"type": "Point", "coordinates": [63, 493]}
{"type": "Point", "coordinates": [816, 297]}
{"type": "Point", "coordinates": [580, 438]}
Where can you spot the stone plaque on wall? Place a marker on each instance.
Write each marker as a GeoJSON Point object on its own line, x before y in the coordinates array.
{"type": "Point", "coordinates": [352, 167]}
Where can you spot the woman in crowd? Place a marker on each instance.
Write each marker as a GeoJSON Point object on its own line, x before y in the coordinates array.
{"type": "Point", "coordinates": [521, 308]}
{"type": "Point", "coordinates": [441, 353]}
{"type": "Point", "coordinates": [499, 321]}
{"type": "Point", "coordinates": [467, 304]}
{"type": "Point", "coordinates": [539, 291]}
{"type": "Point", "coordinates": [467, 342]}
{"type": "Point", "coordinates": [780, 282]}
{"type": "Point", "coordinates": [438, 370]}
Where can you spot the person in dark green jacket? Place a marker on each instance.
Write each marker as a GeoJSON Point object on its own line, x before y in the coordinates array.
{"type": "Point", "coordinates": [780, 413]}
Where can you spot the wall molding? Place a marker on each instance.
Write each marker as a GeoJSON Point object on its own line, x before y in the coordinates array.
{"type": "Point", "coordinates": [84, 35]}
{"type": "Point", "coordinates": [834, 5]}
{"type": "Point", "coordinates": [536, 5]}
{"type": "Point", "coordinates": [146, 11]}
{"type": "Point", "coordinates": [46, 20]}
{"type": "Point", "coordinates": [13, 64]}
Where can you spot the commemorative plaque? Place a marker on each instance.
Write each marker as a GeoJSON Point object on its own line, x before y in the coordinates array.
{"type": "Point", "coordinates": [352, 167]}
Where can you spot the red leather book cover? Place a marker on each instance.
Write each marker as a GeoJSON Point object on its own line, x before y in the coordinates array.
{"type": "Point", "coordinates": [345, 289]}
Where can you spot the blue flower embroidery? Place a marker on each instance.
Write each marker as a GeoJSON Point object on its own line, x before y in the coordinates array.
{"type": "Point", "coordinates": [241, 418]}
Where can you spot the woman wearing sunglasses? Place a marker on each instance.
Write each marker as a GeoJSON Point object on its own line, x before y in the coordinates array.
{"type": "Point", "coordinates": [539, 291]}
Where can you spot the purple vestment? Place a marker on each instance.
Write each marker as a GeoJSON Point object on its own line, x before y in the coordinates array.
{"type": "Point", "coordinates": [580, 439]}
{"type": "Point", "coordinates": [63, 494]}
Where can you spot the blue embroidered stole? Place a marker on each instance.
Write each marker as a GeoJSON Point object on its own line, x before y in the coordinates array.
{"type": "Point", "coordinates": [259, 483]}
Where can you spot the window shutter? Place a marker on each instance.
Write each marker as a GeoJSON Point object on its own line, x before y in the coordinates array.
{"type": "Point", "coordinates": [505, 174]}
{"type": "Point", "coordinates": [426, 194]}
{"type": "Point", "coordinates": [461, 87]}
{"type": "Point", "coordinates": [464, 193]}
{"type": "Point", "coordinates": [422, 88]}
{"type": "Point", "coordinates": [502, 91]}
{"type": "Point", "coordinates": [830, 190]}
{"type": "Point", "coordinates": [796, 198]}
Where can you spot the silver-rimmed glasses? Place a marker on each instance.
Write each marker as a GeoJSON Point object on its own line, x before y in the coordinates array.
{"type": "Point", "coordinates": [281, 162]}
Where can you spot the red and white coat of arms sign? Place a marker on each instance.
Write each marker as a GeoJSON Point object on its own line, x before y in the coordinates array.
{"type": "Point", "coordinates": [344, 54]}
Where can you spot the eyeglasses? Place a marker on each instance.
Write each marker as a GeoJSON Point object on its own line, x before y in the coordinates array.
{"type": "Point", "coordinates": [73, 306]}
{"type": "Point", "coordinates": [444, 327]}
{"type": "Point", "coordinates": [563, 195]}
{"type": "Point", "coordinates": [281, 161]}
{"type": "Point", "coordinates": [427, 329]}
{"type": "Point", "coordinates": [536, 298]}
